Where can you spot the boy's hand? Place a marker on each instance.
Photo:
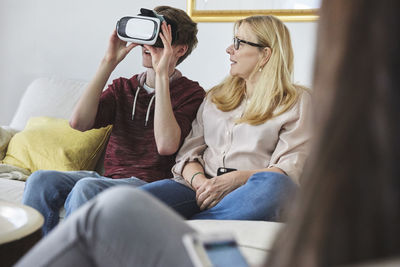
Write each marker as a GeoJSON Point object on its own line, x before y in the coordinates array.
{"type": "Point", "coordinates": [117, 49]}
{"type": "Point", "coordinates": [161, 57]}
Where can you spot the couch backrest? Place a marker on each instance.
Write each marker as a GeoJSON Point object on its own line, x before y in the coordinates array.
{"type": "Point", "coordinates": [53, 97]}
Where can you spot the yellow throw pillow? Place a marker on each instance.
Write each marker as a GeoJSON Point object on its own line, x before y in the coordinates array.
{"type": "Point", "coordinates": [51, 144]}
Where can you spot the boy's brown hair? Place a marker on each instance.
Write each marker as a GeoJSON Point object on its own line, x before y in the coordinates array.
{"type": "Point", "coordinates": [186, 28]}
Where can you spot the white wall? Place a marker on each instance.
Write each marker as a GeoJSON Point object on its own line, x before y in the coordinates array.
{"type": "Point", "coordinates": [69, 38]}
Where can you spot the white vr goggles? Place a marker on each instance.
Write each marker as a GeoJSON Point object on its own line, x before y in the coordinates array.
{"type": "Point", "coordinates": [143, 28]}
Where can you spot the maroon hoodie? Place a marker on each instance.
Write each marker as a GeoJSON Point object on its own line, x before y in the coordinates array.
{"type": "Point", "coordinates": [132, 150]}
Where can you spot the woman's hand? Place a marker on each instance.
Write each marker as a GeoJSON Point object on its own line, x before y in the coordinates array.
{"type": "Point", "coordinates": [161, 57]}
{"type": "Point", "coordinates": [212, 191]}
{"type": "Point", "coordinates": [117, 49]}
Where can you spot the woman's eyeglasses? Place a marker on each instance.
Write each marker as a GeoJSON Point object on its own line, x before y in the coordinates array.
{"type": "Point", "coordinates": [237, 41]}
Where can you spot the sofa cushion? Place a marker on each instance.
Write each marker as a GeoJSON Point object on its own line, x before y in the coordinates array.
{"type": "Point", "coordinates": [50, 143]}
{"type": "Point", "coordinates": [11, 190]}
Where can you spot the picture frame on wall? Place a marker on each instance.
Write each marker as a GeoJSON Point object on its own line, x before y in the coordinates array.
{"type": "Point", "coordinates": [232, 10]}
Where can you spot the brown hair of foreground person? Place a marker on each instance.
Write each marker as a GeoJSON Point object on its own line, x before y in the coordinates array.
{"type": "Point", "coordinates": [349, 207]}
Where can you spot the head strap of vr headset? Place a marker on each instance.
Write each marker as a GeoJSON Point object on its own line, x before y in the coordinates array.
{"type": "Point", "coordinates": [151, 13]}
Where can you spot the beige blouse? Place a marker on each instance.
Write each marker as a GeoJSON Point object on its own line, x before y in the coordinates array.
{"type": "Point", "coordinates": [217, 141]}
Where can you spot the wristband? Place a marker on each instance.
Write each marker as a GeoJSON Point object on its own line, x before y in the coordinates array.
{"type": "Point", "coordinates": [194, 175]}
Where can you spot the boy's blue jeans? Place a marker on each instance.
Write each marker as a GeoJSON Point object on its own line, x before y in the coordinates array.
{"type": "Point", "coordinates": [47, 191]}
{"type": "Point", "coordinates": [261, 198]}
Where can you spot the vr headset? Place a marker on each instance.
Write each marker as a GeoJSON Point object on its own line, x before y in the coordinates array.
{"type": "Point", "coordinates": [144, 28]}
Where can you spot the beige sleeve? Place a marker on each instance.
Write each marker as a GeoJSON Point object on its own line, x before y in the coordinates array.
{"type": "Point", "coordinates": [194, 145]}
{"type": "Point", "coordinates": [293, 145]}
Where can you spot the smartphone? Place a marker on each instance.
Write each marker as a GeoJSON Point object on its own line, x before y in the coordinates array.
{"type": "Point", "coordinates": [223, 170]}
{"type": "Point", "coordinates": [219, 250]}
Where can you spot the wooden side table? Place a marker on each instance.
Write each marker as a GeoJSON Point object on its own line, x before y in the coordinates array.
{"type": "Point", "coordinates": [20, 229]}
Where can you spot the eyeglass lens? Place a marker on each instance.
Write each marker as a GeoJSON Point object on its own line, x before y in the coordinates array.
{"type": "Point", "coordinates": [236, 43]}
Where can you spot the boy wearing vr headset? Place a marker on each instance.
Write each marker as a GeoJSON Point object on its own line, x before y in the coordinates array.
{"type": "Point", "coordinates": [149, 125]}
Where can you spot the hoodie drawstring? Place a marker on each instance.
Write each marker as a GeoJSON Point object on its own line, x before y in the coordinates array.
{"type": "Point", "coordinates": [134, 102]}
{"type": "Point", "coordinates": [142, 78]}
{"type": "Point", "coordinates": [148, 108]}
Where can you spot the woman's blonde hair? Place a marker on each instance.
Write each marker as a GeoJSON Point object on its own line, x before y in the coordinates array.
{"type": "Point", "coordinates": [274, 92]}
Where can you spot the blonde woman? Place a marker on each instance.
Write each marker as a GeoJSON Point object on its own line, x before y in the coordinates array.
{"type": "Point", "coordinates": [250, 138]}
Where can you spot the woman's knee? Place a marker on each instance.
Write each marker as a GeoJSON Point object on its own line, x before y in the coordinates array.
{"type": "Point", "coordinates": [271, 179]}
{"type": "Point", "coordinates": [169, 191]}
{"type": "Point", "coordinates": [154, 187]}
{"type": "Point", "coordinates": [274, 187]}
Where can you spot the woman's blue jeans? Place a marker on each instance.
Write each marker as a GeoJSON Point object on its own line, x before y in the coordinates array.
{"type": "Point", "coordinates": [263, 197]}
{"type": "Point", "coordinates": [48, 191]}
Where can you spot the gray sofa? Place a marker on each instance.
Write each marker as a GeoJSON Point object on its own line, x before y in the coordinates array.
{"type": "Point", "coordinates": [55, 97]}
